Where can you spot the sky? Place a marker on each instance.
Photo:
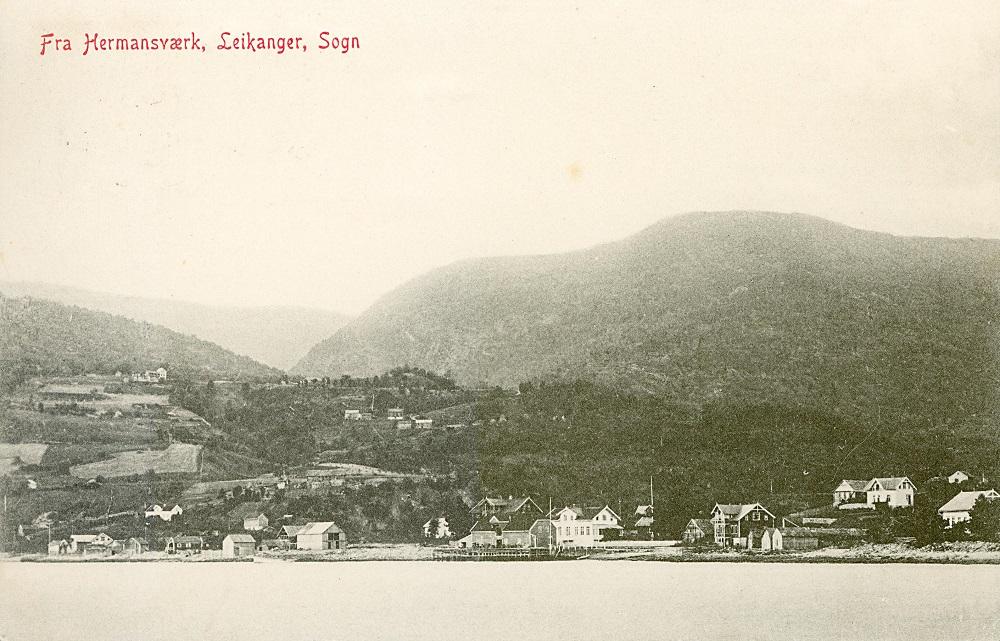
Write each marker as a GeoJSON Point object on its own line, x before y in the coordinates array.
{"type": "Point", "coordinates": [459, 129]}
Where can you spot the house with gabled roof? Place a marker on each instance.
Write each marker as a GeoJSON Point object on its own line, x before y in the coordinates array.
{"type": "Point", "coordinates": [606, 522]}
{"type": "Point", "coordinates": [437, 528]}
{"type": "Point", "coordinates": [894, 491]}
{"type": "Point", "coordinates": [255, 523]}
{"type": "Point", "coordinates": [959, 508]}
{"type": "Point", "coordinates": [78, 542]}
{"type": "Point", "coordinates": [696, 530]}
{"type": "Point", "coordinates": [573, 528]}
{"type": "Point", "coordinates": [158, 511]}
{"type": "Point", "coordinates": [849, 490]}
{"type": "Point", "coordinates": [504, 508]}
{"type": "Point", "coordinates": [958, 476]}
{"type": "Point", "coordinates": [238, 546]}
{"type": "Point", "coordinates": [136, 545]}
{"type": "Point", "coordinates": [734, 525]}
{"type": "Point", "coordinates": [187, 544]}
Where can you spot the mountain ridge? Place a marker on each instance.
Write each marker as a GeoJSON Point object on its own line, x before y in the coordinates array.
{"type": "Point", "coordinates": [754, 304]}
{"type": "Point", "coordinates": [277, 335]}
{"type": "Point", "coordinates": [42, 337]}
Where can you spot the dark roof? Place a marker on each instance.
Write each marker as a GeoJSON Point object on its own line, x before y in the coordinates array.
{"type": "Point", "coordinates": [705, 525]}
{"type": "Point", "coordinates": [187, 539]}
{"type": "Point", "coordinates": [520, 522]}
{"type": "Point", "coordinates": [484, 525]}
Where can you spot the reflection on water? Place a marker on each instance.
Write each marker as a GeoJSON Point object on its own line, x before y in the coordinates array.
{"type": "Point", "coordinates": [436, 601]}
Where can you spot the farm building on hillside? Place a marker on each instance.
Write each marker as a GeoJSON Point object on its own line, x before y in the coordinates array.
{"type": "Point", "coordinates": [255, 523]}
{"type": "Point", "coordinates": [324, 535]}
{"type": "Point", "coordinates": [157, 511]}
{"type": "Point", "coordinates": [958, 477]}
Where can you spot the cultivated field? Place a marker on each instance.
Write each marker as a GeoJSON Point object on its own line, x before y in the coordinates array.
{"type": "Point", "coordinates": [29, 453]}
{"type": "Point", "coordinates": [177, 458]}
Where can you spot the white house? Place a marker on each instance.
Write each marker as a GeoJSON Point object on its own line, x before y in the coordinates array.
{"type": "Point", "coordinates": [352, 415]}
{"type": "Point", "coordinates": [423, 423]}
{"type": "Point", "coordinates": [238, 546]}
{"type": "Point", "coordinates": [895, 491]}
{"type": "Point", "coordinates": [324, 535]}
{"type": "Point", "coordinates": [959, 508]}
{"type": "Point", "coordinates": [395, 413]}
{"type": "Point", "coordinates": [162, 514]}
{"type": "Point", "coordinates": [958, 477]}
{"type": "Point", "coordinates": [437, 528]}
{"type": "Point", "coordinates": [848, 490]}
{"type": "Point", "coordinates": [79, 542]}
{"type": "Point", "coordinates": [572, 528]}
{"type": "Point", "coordinates": [603, 519]}
{"type": "Point", "coordinates": [255, 523]}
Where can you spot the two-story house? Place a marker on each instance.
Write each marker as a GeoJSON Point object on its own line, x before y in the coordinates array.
{"type": "Point", "coordinates": [732, 524]}
{"type": "Point", "coordinates": [894, 491]}
{"type": "Point", "coordinates": [572, 528]}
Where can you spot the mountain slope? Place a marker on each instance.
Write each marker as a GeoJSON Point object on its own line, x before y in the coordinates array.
{"type": "Point", "coordinates": [278, 336]}
{"type": "Point", "coordinates": [42, 337]}
{"type": "Point", "coordinates": [765, 307]}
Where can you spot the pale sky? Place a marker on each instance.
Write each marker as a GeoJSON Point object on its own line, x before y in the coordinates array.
{"type": "Point", "coordinates": [472, 129]}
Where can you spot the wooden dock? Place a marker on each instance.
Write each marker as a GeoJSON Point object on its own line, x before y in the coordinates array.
{"type": "Point", "coordinates": [492, 554]}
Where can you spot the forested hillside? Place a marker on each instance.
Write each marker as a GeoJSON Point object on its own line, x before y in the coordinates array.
{"type": "Point", "coordinates": [277, 335]}
{"type": "Point", "coordinates": [39, 337]}
{"type": "Point", "coordinates": [788, 310]}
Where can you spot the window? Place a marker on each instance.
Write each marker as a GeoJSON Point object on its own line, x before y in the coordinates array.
{"type": "Point", "coordinates": [756, 516]}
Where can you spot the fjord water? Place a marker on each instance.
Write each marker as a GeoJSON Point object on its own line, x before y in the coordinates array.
{"type": "Point", "coordinates": [356, 601]}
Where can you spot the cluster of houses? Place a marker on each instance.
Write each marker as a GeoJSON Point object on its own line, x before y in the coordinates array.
{"type": "Point", "coordinates": [315, 536]}
{"type": "Point", "coordinates": [157, 375]}
{"type": "Point", "coordinates": [393, 415]}
{"type": "Point", "coordinates": [752, 527]}
{"type": "Point", "coordinates": [520, 522]}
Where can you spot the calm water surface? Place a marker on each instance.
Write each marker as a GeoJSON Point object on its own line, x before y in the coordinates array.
{"type": "Point", "coordinates": [570, 600]}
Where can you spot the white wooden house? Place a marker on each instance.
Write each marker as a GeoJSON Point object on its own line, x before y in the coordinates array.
{"type": "Point", "coordinates": [255, 523]}
{"type": "Point", "coordinates": [849, 490]}
{"type": "Point", "coordinates": [437, 528]}
{"type": "Point", "coordinates": [158, 511]}
{"type": "Point", "coordinates": [959, 508]}
{"type": "Point", "coordinates": [896, 491]}
{"type": "Point", "coordinates": [958, 476]}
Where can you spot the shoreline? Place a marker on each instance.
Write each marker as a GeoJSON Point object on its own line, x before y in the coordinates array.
{"type": "Point", "coordinates": [870, 554]}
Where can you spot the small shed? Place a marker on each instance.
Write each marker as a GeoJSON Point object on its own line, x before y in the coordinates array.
{"type": "Point", "coordinates": [136, 545]}
{"type": "Point", "coordinates": [238, 546]}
